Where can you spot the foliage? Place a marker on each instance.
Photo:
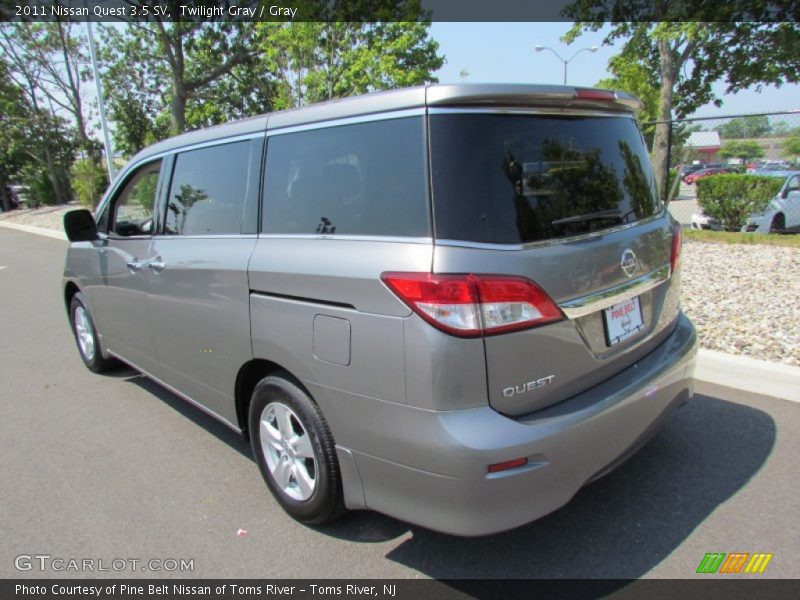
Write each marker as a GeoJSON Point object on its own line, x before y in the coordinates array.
{"type": "Point", "coordinates": [12, 132]}
{"type": "Point", "coordinates": [687, 47]}
{"type": "Point", "coordinates": [316, 61]}
{"type": "Point", "coordinates": [89, 180]}
{"type": "Point", "coordinates": [164, 78]}
{"type": "Point", "coordinates": [732, 198]}
{"type": "Point", "coordinates": [755, 126]}
{"type": "Point", "coordinates": [42, 143]}
{"type": "Point", "coordinates": [744, 149]}
{"type": "Point", "coordinates": [635, 78]}
{"type": "Point", "coordinates": [56, 53]}
{"type": "Point", "coordinates": [782, 129]}
{"type": "Point", "coordinates": [791, 145]}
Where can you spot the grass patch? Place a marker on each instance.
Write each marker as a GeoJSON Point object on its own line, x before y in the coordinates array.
{"type": "Point", "coordinates": [736, 237]}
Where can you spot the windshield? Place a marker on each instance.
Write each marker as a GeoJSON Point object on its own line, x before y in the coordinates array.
{"type": "Point", "coordinates": [511, 179]}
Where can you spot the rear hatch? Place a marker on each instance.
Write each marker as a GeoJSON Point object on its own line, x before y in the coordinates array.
{"type": "Point", "coordinates": [564, 198]}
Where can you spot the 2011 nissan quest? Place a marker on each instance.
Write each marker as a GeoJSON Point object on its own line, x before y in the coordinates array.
{"type": "Point", "coordinates": [453, 304]}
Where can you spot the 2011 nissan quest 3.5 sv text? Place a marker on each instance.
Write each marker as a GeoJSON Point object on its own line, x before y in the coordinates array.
{"type": "Point", "coordinates": [453, 304]}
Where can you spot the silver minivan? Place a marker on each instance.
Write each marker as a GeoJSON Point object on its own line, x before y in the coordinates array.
{"type": "Point", "coordinates": [454, 304]}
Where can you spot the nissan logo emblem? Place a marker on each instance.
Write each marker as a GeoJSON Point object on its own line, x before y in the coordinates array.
{"type": "Point", "coordinates": [629, 262]}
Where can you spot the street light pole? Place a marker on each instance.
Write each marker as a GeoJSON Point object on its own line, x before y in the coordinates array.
{"type": "Point", "coordinates": [101, 105]}
{"type": "Point", "coordinates": [568, 60]}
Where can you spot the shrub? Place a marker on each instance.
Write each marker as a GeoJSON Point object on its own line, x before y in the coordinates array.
{"type": "Point", "coordinates": [89, 180]}
{"type": "Point", "coordinates": [37, 182]}
{"type": "Point", "coordinates": [732, 198]}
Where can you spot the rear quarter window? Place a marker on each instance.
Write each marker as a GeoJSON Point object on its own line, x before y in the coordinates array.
{"type": "Point", "coordinates": [360, 179]}
{"type": "Point", "coordinates": [511, 179]}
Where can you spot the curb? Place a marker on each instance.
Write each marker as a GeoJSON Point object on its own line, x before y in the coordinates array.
{"type": "Point", "coordinates": [52, 233]}
{"type": "Point", "coordinates": [729, 370]}
{"type": "Point", "coordinates": [748, 374]}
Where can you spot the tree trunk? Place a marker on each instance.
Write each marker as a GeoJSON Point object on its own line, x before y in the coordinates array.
{"type": "Point", "coordinates": [5, 199]}
{"type": "Point", "coordinates": [660, 154]}
{"type": "Point", "coordinates": [178, 108]}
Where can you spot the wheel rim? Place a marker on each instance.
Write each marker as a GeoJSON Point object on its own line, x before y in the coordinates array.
{"type": "Point", "coordinates": [84, 333]}
{"type": "Point", "coordinates": [288, 451]}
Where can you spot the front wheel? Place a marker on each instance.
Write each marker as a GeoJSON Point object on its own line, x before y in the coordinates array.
{"type": "Point", "coordinates": [778, 224]}
{"type": "Point", "coordinates": [86, 336]}
{"type": "Point", "coordinates": [295, 451]}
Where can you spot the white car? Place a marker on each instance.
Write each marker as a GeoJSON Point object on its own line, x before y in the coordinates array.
{"type": "Point", "coordinates": [702, 220]}
{"type": "Point", "coordinates": [782, 214]}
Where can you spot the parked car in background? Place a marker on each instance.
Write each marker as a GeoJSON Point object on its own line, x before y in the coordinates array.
{"type": "Point", "coordinates": [693, 177]}
{"type": "Point", "coordinates": [783, 212]}
{"type": "Point", "coordinates": [687, 170]}
{"type": "Point", "coordinates": [702, 220]}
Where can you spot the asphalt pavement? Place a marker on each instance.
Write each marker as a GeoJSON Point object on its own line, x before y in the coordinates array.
{"type": "Point", "coordinates": [109, 467]}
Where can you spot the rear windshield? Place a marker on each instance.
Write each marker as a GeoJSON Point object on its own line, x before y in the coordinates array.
{"type": "Point", "coordinates": [511, 179]}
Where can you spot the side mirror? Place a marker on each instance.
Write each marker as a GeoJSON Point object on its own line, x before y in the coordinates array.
{"type": "Point", "coordinates": [79, 226]}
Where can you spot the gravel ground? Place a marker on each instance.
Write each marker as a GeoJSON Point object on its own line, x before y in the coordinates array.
{"type": "Point", "coordinates": [49, 217]}
{"type": "Point", "coordinates": [742, 299]}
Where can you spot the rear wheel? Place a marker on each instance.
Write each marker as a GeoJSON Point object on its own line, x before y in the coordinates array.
{"type": "Point", "coordinates": [778, 224]}
{"type": "Point", "coordinates": [86, 336]}
{"type": "Point", "coordinates": [295, 451]}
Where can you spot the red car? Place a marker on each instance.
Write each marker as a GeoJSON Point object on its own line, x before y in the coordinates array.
{"type": "Point", "coordinates": [691, 178]}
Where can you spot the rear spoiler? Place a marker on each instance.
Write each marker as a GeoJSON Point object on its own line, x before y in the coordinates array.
{"type": "Point", "coordinates": [521, 95]}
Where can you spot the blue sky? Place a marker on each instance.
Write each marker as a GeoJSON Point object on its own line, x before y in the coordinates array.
{"type": "Point", "coordinates": [503, 52]}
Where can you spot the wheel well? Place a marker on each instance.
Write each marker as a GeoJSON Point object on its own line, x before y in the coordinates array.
{"type": "Point", "coordinates": [69, 291]}
{"type": "Point", "coordinates": [246, 381]}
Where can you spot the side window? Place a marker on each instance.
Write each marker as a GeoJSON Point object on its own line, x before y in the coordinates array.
{"type": "Point", "coordinates": [133, 207]}
{"type": "Point", "coordinates": [794, 184]}
{"type": "Point", "coordinates": [209, 190]}
{"type": "Point", "coordinates": [362, 179]}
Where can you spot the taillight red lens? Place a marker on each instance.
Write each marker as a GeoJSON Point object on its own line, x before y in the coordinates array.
{"type": "Point", "coordinates": [471, 305]}
{"type": "Point", "coordinates": [589, 94]}
{"type": "Point", "coordinates": [509, 464]}
{"type": "Point", "coordinates": [675, 252]}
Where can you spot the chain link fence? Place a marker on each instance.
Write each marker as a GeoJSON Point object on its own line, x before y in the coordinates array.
{"type": "Point", "coordinates": [764, 144]}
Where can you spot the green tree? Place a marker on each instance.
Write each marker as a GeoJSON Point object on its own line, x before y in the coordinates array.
{"type": "Point", "coordinates": [45, 140]}
{"type": "Point", "coordinates": [342, 55]}
{"type": "Point", "coordinates": [743, 149]}
{"type": "Point", "coordinates": [688, 47]}
{"type": "Point", "coordinates": [791, 146]}
{"type": "Point", "coordinates": [782, 129]}
{"type": "Point", "coordinates": [57, 51]}
{"type": "Point", "coordinates": [196, 73]}
{"type": "Point", "coordinates": [89, 180]}
{"type": "Point", "coordinates": [755, 126]}
{"type": "Point", "coordinates": [635, 78]}
{"type": "Point", "coordinates": [13, 113]}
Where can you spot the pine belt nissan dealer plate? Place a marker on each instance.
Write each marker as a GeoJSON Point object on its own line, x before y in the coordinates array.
{"type": "Point", "coordinates": [623, 320]}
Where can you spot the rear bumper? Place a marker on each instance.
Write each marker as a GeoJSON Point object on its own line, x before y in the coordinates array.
{"type": "Point", "coordinates": [442, 481]}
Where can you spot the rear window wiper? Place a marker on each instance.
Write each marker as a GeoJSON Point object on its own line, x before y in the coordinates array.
{"type": "Point", "coordinates": [593, 216]}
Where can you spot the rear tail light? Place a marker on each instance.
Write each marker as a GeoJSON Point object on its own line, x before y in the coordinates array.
{"type": "Point", "coordinates": [589, 94]}
{"type": "Point", "coordinates": [675, 251]}
{"type": "Point", "coordinates": [470, 305]}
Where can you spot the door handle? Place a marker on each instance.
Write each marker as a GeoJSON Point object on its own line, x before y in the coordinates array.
{"type": "Point", "coordinates": [134, 265]}
{"type": "Point", "coordinates": [157, 265]}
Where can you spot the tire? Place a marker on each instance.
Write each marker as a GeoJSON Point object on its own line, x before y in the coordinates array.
{"type": "Point", "coordinates": [295, 451]}
{"type": "Point", "coordinates": [85, 332]}
{"type": "Point", "coordinates": [778, 224]}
